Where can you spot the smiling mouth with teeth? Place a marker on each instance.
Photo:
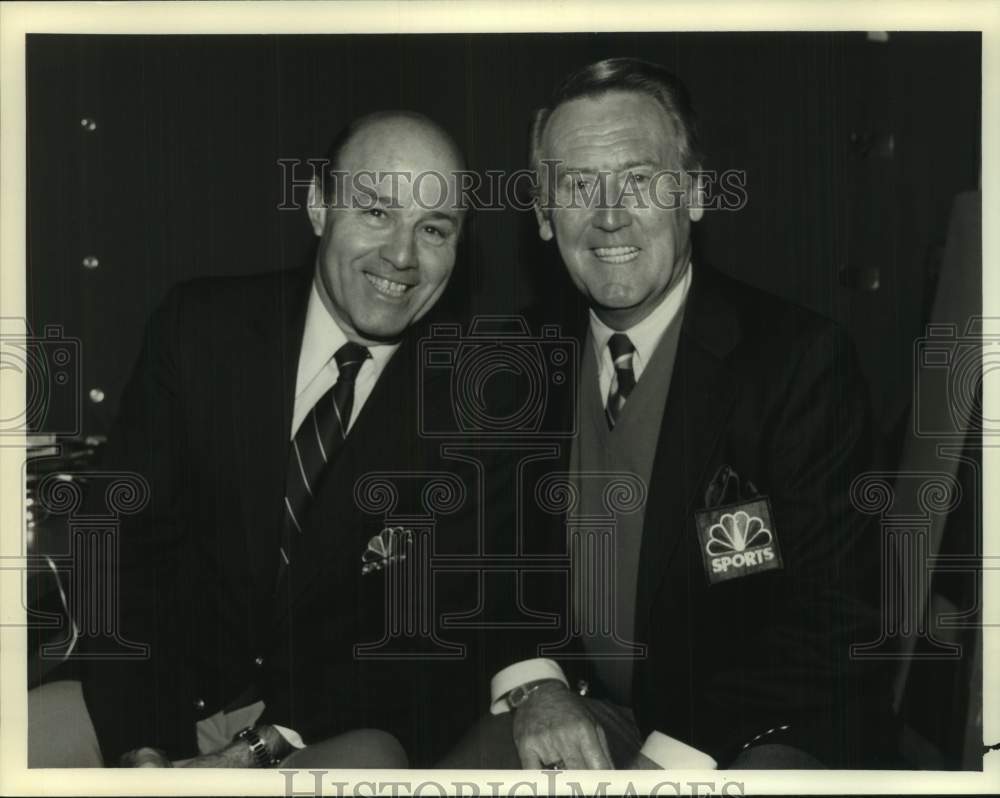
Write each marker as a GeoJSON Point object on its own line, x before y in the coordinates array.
{"type": "Point", "coordinates": [387, 287]}
{"type": "Point", "coordinates": [616, 254]}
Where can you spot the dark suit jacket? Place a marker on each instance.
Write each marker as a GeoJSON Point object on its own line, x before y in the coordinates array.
{"type": "Point", "coordinates": [774, 391]}
{"type": "Point", "coordinates": [205, 420]}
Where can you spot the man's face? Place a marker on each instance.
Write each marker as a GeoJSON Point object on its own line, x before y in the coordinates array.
{"type": "Point", "coordinates": [625, 236]}
{"type": "Point", "coordinates": [383, 259]}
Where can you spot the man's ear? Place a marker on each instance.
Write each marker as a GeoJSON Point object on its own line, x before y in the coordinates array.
{"type": "Point", "coordinates": [544, 223]}
{"type": "Point", "coordinates": [316, 207]}
{"type": "Point", "coordinates": [694, 197]}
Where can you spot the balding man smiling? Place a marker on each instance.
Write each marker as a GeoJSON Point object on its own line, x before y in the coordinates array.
{"type": "Point", "coordinates": [256, 405]}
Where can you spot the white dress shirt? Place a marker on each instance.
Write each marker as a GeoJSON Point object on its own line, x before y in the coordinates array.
{"type": "Point", "coordinates": [318, 370]}
{"type": "Point", "coordinates": [645, 336]}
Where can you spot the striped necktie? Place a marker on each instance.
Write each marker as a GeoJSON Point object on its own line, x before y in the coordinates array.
{"type": "Point", "coordinates": [621, 350]}
{"type": "Point", "coordinates": [316, 443]}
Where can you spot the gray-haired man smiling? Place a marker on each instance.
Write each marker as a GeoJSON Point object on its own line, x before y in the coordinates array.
{"type": "Point", "coordinates": [743, 578]}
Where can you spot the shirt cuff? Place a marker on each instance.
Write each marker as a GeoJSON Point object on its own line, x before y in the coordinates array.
{"type": "Point", "coordinates": [528, 670]}
{"type": "Point", "coordinates": [291, 737]}
{"type": "Point", "coordinates": [671, 754]}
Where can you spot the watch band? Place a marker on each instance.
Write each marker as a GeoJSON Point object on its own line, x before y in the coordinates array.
{"type": "Point", "coordinates": [258, 748]}
{"type": "Point", "coordinates": [523, 692]}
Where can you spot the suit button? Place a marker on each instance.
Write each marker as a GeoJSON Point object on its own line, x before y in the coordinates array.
{"type": "Point", "coordinates": [258, 661]}
{"type": "Point", "coordinates": [199, 703]}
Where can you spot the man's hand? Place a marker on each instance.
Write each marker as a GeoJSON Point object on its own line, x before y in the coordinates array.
{"type": "Point", "coordinates": [230, 756]}
{"type": "Point", "coordinates": [237, 753]}
{"type": "Point", "coordinates": [144, 758]}
{"type": "Point", "coordinates": [554, 726]}
{"type": "Point", "coordinates": [234, 755]}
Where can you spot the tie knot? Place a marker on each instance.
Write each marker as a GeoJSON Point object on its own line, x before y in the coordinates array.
{"type": "Point", "coordinates": [349, 359]}
{"type": "Point", "coordinates": [621, 350]}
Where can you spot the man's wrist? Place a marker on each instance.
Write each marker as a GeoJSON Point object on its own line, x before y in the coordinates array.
{"type": "Point", "coordinates": [518, 674]}
{"type": "Point", "coordinates": [277, 743]}
{"type": "Point", "coordinates": [262, 745]}
{"type": "Point", "coordinates": [521, 694]}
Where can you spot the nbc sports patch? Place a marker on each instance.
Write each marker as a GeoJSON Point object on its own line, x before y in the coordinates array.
{"type": "Point", "coordinates": [738, 540]}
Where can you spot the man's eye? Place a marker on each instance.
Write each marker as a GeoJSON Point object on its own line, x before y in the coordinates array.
{"type": "Point", "coordinates": [377, 213]}
{"type": "Point", "coordinates": [436, 232]}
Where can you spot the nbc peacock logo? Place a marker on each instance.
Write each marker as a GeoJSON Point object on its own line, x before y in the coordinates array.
{"type": "Point", "coordinates": [737, 532]}
{"type": "Point", "coordinates": [738, 541]}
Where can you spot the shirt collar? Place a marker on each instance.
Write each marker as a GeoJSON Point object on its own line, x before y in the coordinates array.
{"type": "Point", "coordinates": [647, 333]}
{"type": "Point", "coordinates": [321, 340]}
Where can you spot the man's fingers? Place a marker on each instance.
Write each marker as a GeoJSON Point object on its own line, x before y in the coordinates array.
{"type": "Point", "coordinates": [145, 757]}
{"type": "Point", "coordinates": [573, 759]}
{"type": "Point", "coordinates": [542, 752]}
{"type": "Point", "coordinates": [529, 759]}
{"type": "Point", "coordinates": [580, 747]}
{"type": "Point", "coordinates": [593, 754]}
{"type": "Point", "coordinates": [602, 738]}
{"type": "Point", "coordinates": [535, 754]}
{"type": "Point", "coordinates": [557, 729]}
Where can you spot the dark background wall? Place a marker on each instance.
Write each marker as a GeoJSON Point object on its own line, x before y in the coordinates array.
{"type": "Point", "coordinates": [853, 148]}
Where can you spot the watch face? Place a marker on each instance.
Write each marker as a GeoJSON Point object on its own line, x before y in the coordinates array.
{"type": "Point", "coordinates": [518, 696]}
{"type": "Point", "coordinates": [258, 748]}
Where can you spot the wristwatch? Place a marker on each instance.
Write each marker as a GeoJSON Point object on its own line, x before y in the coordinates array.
{"type": "Point", "coordinates": [259, 753]}
{"type": "Point", "coordinates": [523, 692]}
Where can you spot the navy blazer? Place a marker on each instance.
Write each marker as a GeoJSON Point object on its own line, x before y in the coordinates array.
{"type": "Point", "coordinates": [205, 420]}
{"type": "Point", "coordinates": [774, 392]}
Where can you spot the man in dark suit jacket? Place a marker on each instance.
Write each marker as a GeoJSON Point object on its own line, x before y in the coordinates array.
{"type": "Point", "coordinates": [739, 574]}
{"type": "Point", "coordinates": [265, 599]}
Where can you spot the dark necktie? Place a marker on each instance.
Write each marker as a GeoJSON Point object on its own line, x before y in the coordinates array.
{"type": "Point", "coordinates": [621, 350]}
{"type": "Point", "coordinates": [316, 443]}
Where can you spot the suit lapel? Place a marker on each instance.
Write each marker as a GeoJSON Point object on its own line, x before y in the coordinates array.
{"type": "Point", "coordinates": [262, 400]}
{"type": "Point", "coordinates": [700, 399]}
{"type": "Point", "coordinates": [383, 436]}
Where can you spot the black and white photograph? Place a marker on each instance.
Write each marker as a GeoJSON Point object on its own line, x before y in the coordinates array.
{"type": "Point", "coordinates": [402, 401]}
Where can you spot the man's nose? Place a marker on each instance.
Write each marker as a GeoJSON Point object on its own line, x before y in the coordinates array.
{"type": "Point", "coordinates": [610, 215]}
{"type": "Point", "coordinates": [400, 249]}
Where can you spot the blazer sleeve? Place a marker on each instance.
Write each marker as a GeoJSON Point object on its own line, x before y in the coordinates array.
{"type": "Point", "coordinates": [799, 672]}
{"type": "Point", "coordinates": [127, 698]}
